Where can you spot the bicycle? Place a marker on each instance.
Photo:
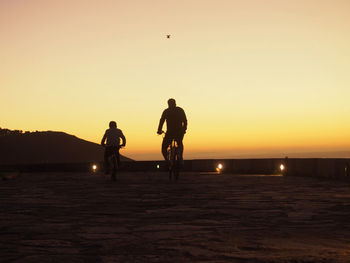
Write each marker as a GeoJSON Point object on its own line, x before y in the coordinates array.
{"type": "Point", "coordinates": [113, 162]}
{"type": "Point", "coordinates": [174, 159]}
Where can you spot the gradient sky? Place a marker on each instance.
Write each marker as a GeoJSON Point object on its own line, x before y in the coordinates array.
{"type": "Point", "coordinates": [252, 76]}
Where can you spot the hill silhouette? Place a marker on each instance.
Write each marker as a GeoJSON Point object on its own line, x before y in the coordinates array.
{"type": "Point", "coordinates": [17, 147]}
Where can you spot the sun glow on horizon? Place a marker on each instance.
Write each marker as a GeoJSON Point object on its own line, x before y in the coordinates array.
{"type": "Point", "coordinates": [252, 76]}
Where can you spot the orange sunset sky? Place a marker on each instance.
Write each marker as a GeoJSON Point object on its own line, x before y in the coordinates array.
{"type": "Point", "coordinates": [252, 76]}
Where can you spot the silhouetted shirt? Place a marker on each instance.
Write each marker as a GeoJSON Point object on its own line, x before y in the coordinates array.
{"type": "Point", "coordinates": [175, 118]}
{"type": "Point", "coordinates": [113, 135]}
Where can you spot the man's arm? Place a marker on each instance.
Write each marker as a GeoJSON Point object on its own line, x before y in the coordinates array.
{"type": "Point", "coordinates": [161, 122]}
{"type": "Point", "coordinates": [184, 121]}
{"type": "Point", "coordinates": [123, 139]}
{"type": "Point", "coordinates": [104, 139]}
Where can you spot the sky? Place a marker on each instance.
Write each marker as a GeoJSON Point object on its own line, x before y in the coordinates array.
{"type": "Point", "coordinates": [254, 77]}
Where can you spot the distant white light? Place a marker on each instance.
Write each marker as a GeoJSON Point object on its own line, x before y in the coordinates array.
{"type": "Point", "coordinates": [219, 168]}
{"type": "Point", "coordinates": [158, 166]}
{"type": "Point", "coordinates": [282, 167]}
{"type": "Point", "coordinates": [94, 167]}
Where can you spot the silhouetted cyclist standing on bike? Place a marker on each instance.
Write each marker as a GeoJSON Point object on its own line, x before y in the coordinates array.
{"type": "Point", "coordinates": [176, 121]}
{"type": "Point", "coordinates": [113, 136]}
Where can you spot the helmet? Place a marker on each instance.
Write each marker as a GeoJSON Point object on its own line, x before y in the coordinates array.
{"type": "Point", "coordinates": [171, 103]}
{"type": "Point", "coordinates": [112, 124]}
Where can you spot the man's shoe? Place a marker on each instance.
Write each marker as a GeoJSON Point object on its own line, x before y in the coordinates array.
{"type": "Point", "coordinates": [167, 165]}
{"type": "Point", "coordinates": [181, 163]}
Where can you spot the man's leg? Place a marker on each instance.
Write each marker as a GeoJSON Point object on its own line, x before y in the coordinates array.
{"type": "Point", "coordinates": [118, 156]}
{"type": "Point", "coordinates": [180, 144]}
{"type": "Point", "coordinates": [106, 159]}
{"type": "Point", "coordinates": [181, 149]}
{"type": "Point", "coordinates": [166, 142]}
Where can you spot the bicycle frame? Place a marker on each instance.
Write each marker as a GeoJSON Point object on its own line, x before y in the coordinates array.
{"type": "Point", "coordinates": [174, 159]}
{"type": "Point", "coordinates": [113, 163]}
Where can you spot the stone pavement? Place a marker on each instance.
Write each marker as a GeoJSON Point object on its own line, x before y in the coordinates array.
{"type": "Point", "coordinates": [143, 217]}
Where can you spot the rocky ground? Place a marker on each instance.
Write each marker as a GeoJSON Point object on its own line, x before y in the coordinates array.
{"type": "Point", "coordinates": [145, 218]}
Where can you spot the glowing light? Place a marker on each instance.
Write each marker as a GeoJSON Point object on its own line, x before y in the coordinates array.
{"type": "Point", "coordinates": [219, 168]}
{"type": "Point", "coordinates": [158, 166]}
{"type": "Point", "coordinates": [94, 167]}
{"type": "Point", "coordinates": [282, 167]}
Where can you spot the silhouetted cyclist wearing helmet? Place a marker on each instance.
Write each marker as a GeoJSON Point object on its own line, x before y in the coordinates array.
{"type": "Point", "coordinates": [112, 146]}
{"type": "Point", "coordinates": [176, 121]}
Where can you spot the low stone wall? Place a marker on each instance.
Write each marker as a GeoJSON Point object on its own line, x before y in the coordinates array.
{"type": "Point", "coordinates": [325, 168]}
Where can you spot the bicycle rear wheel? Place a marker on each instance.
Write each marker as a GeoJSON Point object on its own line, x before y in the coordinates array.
{"type": "Point", "coordinates": [114, 168]}
{"type": "Point", "coordinates": [172, 162]}
{"type": "Point", "coordinates": [177, 164]}
{"type": "Point", "coordinates": [174, 169]}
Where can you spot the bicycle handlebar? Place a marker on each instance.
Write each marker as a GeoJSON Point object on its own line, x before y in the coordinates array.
{"type": "Point", "coordinates": [105, 145]}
